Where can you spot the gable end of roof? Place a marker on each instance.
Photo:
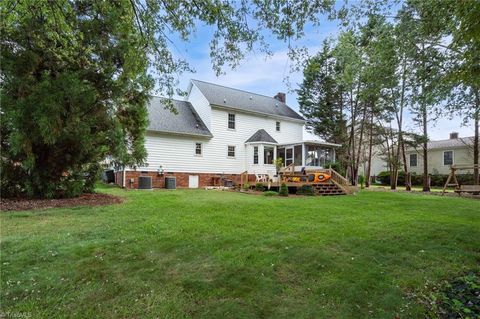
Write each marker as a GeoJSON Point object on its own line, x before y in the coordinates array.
{"type": "Point", "coordinates": [261, 136]}
{"type": "Point", "coordinates": [185, 122]}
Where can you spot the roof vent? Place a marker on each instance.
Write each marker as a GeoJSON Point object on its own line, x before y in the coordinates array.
{"type": "Point", "coordinates": [276, 104]}
{"type": "Point", "coordinates": [453, 135]}
{"type": "Point", "coordinates": [197, 126]}
{"type": "Point", "coordinates": [251, 97]}
{"type": "Point", "coordinates": [224, 100]}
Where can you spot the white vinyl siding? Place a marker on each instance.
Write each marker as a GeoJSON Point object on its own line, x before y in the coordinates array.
{"type": "Point", "coordinates": [176, 154]}
{"type": "Point", "coordinates": [201, 105]}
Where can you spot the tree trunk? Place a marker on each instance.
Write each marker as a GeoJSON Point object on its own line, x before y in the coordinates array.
{"type": "Point", "coordinates": [351, 142]}
{"type": "Point", "coordinates": [426, 184]}
{"type": "Point", "coordinates": [369, 171]}
{"type": "Point", "coordinates": [408, 185]}
{"type": "Point", "coordinates": [362, 128]}
{"type": "Point", "coordinates": [476, 117]}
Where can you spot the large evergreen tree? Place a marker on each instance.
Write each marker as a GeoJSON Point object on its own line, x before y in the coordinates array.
{"type": "Point", "coordinates": [320, 97]}
{"type": "Point", "coordinates": [76, 76]}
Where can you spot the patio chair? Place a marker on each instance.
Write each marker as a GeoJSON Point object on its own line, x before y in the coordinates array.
{"type": "Point", "coordinates": [261, 178]}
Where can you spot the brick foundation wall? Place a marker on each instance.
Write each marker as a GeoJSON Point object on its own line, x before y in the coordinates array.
{"type": "Point", "coordinates": [158, 181]}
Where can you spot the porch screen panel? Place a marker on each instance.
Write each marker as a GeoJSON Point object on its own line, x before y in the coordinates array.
{"type": "Point", "coordinates": [281, 154]}
{"type": "Point", "coordinates": [322, 156]}
{"type": "Point", "coordinates": [328, 155]}
{"type": "Point", "coordinates": [312, 156]}
{"type": "Point", "coordinates": [288, 156]}
{"type": "Point", "coordinates": [297, 160]}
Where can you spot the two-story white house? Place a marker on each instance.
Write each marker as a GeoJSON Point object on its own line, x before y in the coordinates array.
{"type": "Point", "coordinates": [222, 132]}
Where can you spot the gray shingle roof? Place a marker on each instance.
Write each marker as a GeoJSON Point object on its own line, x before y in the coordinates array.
{"type": "Point", "coordinates": [237, 99]}
{"type": "Point", "coordinates": [186, 121]}
{"type": "Point", "coordinates": [261, 136]}
{"type": "Point", "coordinates": [453, 143]}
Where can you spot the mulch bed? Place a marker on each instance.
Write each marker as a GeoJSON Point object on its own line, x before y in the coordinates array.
{"type": "Point", "coordinates": [15, 204]}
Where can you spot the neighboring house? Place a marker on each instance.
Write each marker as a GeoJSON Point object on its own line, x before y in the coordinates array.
{"type": "Point", "coordinates": [223, 132]}
{"type": "Point", "coordinates": [441, 155]}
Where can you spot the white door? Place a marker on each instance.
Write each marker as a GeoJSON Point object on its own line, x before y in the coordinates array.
{"type": "Point", "coordinates": [192, 181]}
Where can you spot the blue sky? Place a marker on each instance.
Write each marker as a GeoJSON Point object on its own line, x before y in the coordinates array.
{"type": "Point", "coordinates": [266, 75]}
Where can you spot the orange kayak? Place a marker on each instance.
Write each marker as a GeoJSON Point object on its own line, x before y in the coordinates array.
{"type": "Point", "coordinates": [318, 177]}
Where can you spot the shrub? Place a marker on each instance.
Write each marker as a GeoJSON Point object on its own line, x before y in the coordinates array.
{"type": "Point", "coordinates": [454, 299]}
{"type": "Point", "coordinates": [270, 193]}
{"type": "Point", "coordinates": [246, 186]}
{"type": "Point", "coordinates": [305, 190]}
{"type": "Point", "coordinates": [259, 187]}
{"type": "Point", "coordinates": [417, 180]}
{"type": "Point", "coordinates": [337, 166]}
{"type": "Point", "coordinates": [283, 190]}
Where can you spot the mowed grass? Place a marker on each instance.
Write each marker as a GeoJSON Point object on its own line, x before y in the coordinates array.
{"type": "Point", "coordinates": [213, 254]}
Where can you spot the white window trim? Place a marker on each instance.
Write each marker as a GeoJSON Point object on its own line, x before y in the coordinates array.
{"type": "Point", "coordinates": [234, 122]}
{"type": "Point", "coordinates": [201, 149]}
{"type": "Point", "coordinates": [410, 160]}
{"type": "Point", "coordinates": [234, 151]}
{"type": "Point", "coordinates": [453, 157]}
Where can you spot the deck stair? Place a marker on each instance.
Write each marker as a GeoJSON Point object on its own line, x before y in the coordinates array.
{"type": "Point", "coordinates": [328, 189]}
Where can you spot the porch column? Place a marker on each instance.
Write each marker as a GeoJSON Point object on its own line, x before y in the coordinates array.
{"type": "Point", "coordinates": [303, 154]}
{"type": "Point", "coordinates": [334, 154]}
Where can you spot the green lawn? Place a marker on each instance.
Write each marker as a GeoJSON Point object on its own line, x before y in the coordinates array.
{"type": "Point", "coordinates": [212, 254]}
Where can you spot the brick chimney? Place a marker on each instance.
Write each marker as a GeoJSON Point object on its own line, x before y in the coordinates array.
{"type": "Point", "coordinates": [281, 97]}
{"type": "Point", "coordinates": [453, 135]}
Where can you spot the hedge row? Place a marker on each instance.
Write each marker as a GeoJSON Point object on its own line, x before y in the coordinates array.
{"type": "Point", "coordinates": [417, 180]}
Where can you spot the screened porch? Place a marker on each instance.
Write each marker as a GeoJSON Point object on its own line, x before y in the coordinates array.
{"type": "Point", "coordinates": [309, 154]}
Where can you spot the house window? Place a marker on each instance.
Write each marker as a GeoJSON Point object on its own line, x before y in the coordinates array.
{"type": "Point", "coordinates": [231, 121]}
{"type": "Point", "coordinates": [268, 155]}
{"type": "Point", "coordinates": [231, 151]}
{"type": "Point", "coordinates": [198, 148]}
{"type": "Point", "coordinates": [277, 126]}
{"type": "Point", "coordinates": [413, 160]}
{"type": "Point", "coordinates": [448, 158]}
{"type": "Point", "coordinates": [255, 155]}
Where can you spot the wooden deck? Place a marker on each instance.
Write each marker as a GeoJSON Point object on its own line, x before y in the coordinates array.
{"type": "Point", "coordinates": [327, 188]}
{"type": "Point", "coordinates": [335, 185]}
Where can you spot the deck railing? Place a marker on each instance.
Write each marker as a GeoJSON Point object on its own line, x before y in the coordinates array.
{"type": "Point", "coordinates": [340, 181]}
{"type": "Point", "coordinates": [243, 178]}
